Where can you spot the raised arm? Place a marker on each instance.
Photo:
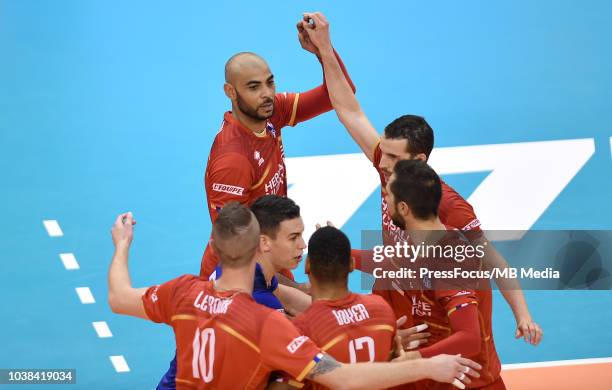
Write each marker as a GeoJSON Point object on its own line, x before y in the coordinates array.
{"type": "Point", "coordinates": [122, 297]}
{"type": "Point", "coordinates": [340, 93]}
{"type": "Point", "coordinates": [303, 106]}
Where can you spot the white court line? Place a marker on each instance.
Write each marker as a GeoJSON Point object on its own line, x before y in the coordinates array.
{"type": "Point", "coordinates": [576, 362]}
{"type": "Point", "coordinates": [611, 145]}
{"type": "Point", "coordinates": [53, 228]}
{"type": "Point", "coordinates": [85, 295]}
{"type": "Point", "coordinates": [70, 262]}
{"type": "Point", "coordinates": [102, 329]}
{"type": "Point", "coordinates": [119, 363]}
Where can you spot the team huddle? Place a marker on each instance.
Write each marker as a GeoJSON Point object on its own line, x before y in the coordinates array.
{"type": "Point", "coordinates": [245, 323]}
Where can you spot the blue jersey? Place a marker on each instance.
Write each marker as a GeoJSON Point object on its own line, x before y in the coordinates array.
{"type": "Point", "coordinates": [262, 292]}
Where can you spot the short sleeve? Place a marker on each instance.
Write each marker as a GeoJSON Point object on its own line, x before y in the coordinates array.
{"type": "Point", "coordinates": [283, 348]}
{"type": "Point", "coordinates": [159, 300]}
{"type": "Point", "coordinates": [456, 211]}
{"type": "Point", "coordinates": [285, 109]}
{"type": "Point", "coordinates": [230, 177]}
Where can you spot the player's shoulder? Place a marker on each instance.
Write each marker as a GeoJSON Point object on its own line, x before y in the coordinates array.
{"type": "Point", "coordinates": [376, 303]}
{"type": "Point", "coordinates": [450, 195]}
{"type": "Point", "coordinates": [230, 138]}
{"type": "Point", "coordinates": [188, 280]}
{"type": "Point", "coordinates": [455, 211]}
{"type": "Point", "coordinates": [313, 311]}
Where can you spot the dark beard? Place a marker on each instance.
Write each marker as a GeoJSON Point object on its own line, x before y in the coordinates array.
{"type": "Point", "coordinates": [250, 111]}
{"type": "Point", "coordinates": [397, 221]}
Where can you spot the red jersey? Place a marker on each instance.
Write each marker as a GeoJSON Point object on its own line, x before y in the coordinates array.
{"type": "Point", "coordinates": [436, 307]}
{"type": "Point", "coordinates": [358, 328]}
{"type": "Point", "coordinates": [243, 166]}
{"type": "Point", "coordinates": [225, 339]}
{"type": "Point", "coordinates": [453, 211]}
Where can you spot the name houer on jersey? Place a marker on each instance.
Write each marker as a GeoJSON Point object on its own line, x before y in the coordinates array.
{"type": "Point", "coordinates": [351, 315]}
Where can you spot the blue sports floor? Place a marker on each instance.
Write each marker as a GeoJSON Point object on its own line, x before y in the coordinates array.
{"type": "Point", "coordinates": [109, 106]}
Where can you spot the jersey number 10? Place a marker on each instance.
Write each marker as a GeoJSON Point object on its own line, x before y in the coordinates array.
{"type": "Point", "coordinates": [203, 367]}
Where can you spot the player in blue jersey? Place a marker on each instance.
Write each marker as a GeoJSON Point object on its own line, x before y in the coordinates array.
{"type": "Point", "coordinates": [281, 247]}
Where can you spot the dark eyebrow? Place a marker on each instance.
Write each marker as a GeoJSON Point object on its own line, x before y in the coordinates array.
{"type": "Point", "coordinates": [256, 82]}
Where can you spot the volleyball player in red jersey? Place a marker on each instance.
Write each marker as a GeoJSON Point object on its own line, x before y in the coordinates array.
{"type": "Point", "coordinates": [458, 315]}
{"type": "Point", "coordinates": [350, 327]}
{"type": "Point", "coordinates": [408, 137]}
{"type": "Point", "coordinates": [226, 340]}
{"type": "Point", "coordinates": [247, 159]}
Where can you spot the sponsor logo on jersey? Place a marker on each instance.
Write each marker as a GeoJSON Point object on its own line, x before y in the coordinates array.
{"type": "Point", "coordinates": [228, 189]}
{"type": "Point", "coordinates": [278, 179]}
{"type": "Point", "coordinates": [296, 343]}
{"type": "Point", "coordinates": [154, 297]}
{"type": "Point", "coordinates": [472, 225]}
{"type": "Point", "coordinates": [420, 308]}
{"type": "Point", "coordinates": [257, 157]}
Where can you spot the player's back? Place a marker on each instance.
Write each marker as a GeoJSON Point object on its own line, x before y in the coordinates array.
{"type": "Point", "coordinates": [357, 328]}
{"type": "Point", "coordinates": [222, 338]}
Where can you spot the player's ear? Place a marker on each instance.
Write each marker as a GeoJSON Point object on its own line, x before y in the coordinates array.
{"type": "Point", "coordinates": [230, 91]}
{"type": "Point", "coordinates": [307, 266]}
{"type": "Point", "coordinates": [352, 265]}
{"type": "Point", "coordinates": [404, 210]}
{"type": "Point", "coordinates": [264, 243]}
{"type": "Point", "coordinates": [421, 156]}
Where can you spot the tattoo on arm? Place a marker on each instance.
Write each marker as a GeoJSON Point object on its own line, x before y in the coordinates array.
{"type": "Point", "coordinates": [325, 365]}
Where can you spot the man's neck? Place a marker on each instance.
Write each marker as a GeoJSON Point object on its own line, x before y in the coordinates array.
{"type": "Point", "coordinates": [255, 125]}
{"type": "Point", "coordinates": [267, 267]}
{"type": "Point", "coordinates": [240, 279]}
{"type": "Point", "coordinates": [329, 293]}
{"type": "Point", "coordinates": [421, 230]}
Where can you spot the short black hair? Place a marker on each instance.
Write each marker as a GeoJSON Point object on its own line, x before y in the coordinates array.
{"type": "Point", "coordinates": [329, 251]}
{"type": "Point", "coordinates": [271, 210]}
{"type": "Point", "coordinates": [419, 186]}
{"type": "Point", "coordinates": [415, 130]}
